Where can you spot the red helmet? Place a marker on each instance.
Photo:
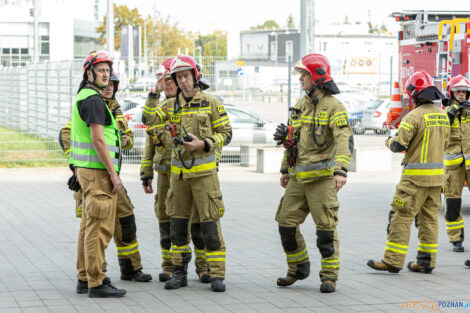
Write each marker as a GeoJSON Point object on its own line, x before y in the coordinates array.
{"type": "Point", "coordinates": [96, 57]}
{"type": "Point", "coordinates": [417, 82]}
{"type": "Point", "coordinates": [184, 62]}
{"type": "Point", "coordinates": [318, 67]}
{"type": "Point", "coordinates": [163, 70]}
{"type": "Point", "coordinates": [457, 83]}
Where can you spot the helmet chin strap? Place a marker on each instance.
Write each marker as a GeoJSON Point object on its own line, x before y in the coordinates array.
{"type": "Point", "coordinates": [311, 96]}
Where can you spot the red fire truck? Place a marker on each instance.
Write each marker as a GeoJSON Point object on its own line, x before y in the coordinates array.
{"type": "Point", "coordinates": [424, 41]}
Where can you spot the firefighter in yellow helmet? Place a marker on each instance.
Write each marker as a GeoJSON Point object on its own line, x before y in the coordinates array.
{"type": "Point", "coordinates": [157, 155]}
{"type": "Point", "coordinates": [319, 144]}
{"type": "Point", "coordinates": [125, 227]}
{"type": "Point", "coordinates": [422, 134]}
{"type": "Point", "coordinates": [198, 125]}
{"type": "Point", "coordinates": [457, 158]}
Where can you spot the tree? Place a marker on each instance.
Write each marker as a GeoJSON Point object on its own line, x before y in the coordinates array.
{"type": "Point", "coordinates": [290, 22]}
{"type": "Point", "coordinates": [164, 38]}
{"type": "Point", "coordinates": [122, 16]}
{"type": "Point", "coordinates": [372, 29]}
{"type": "Point", "coordinates": [269, 24]}
{"type": "Point", "coordinates": [214, 44]}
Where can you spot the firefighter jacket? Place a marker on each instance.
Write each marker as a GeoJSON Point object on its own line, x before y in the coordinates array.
{"type": "Point", "coordinates": [205, 117]}
{"type": "Point", "coordinates": [324, 139]}
{"type": "Point", "coordinates": [458, 148]}
{"type": "Point", "coordinates": [423, 133]}
{"type": "Point", "coordinates": [157, 151]}
{"type": "Point", "coordinates": [115, 108]}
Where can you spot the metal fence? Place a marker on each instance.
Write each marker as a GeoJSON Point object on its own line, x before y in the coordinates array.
{"type": "Point", "coordinates": [37, 100]}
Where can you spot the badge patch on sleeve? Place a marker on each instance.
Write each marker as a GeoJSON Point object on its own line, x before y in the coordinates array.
{"type": "Point", "coordinates": [341, 122]}
{"type": "Point", "coordinates": [221, 109]}
{"type": "Point", "coordinates": [399, 202]}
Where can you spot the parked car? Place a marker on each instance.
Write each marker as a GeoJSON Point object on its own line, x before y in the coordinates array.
{"type": "Point", "coordinates": [375, 117]}
{"type": "Point", "coordinates": [138, 128]}
{"type": "Point", "coordinates": [131, 103]}
{"type": "Point", "coordinates": [355, 105]}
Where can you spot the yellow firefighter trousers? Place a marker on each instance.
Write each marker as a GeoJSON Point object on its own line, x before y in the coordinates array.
{"type": "Point", "coordinates": [201, 194]}
{"type": "Point", "coordinates": [454, 183]}
{"type": "Point", "coordinates": [96, 226]}
{"type": "Point", "coordinates": [125, 236]}
{"type": "Point", "coordinates": [410, 200]}
{"type": "Point", "coordinates": [320, 200]}
{"type": "Point", "coordinates": [163, 187]}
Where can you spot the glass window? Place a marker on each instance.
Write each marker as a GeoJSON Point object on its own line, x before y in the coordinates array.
{"type": "Point", "coordinates": [6, 50]}
{"type": "Point", "coordinates": [15, 51]}
{"type": "Point", "coordinates": [24, 51]}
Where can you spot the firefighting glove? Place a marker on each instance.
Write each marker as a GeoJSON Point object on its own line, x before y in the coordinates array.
{"type": "Point", "coordinates": [73, 183]}
{"type": "Point", "coordinates": [453, 112]}
{"type": "Point", "coordinates": [280, 134]}
{"type": "Point", "coordinates": [446, 102]}
{"type": "Point", "coordinates": [465, 104]}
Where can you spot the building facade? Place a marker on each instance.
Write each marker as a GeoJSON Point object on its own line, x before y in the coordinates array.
{"type": "Point", "coordinates": [66, 30]}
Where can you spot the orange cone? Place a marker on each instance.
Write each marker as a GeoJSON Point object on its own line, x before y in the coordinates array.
{"type": "Point", "coordinates": [396, 107]}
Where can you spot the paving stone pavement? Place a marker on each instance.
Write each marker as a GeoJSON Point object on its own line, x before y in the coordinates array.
{"type": "Point", "coordinates": [38, 234]}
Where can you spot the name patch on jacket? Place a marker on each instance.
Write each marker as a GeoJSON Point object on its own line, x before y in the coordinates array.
{"type": "Point", "coordinates": [436, 120]}
{"type": "Point", "coordinates": [175, 118]}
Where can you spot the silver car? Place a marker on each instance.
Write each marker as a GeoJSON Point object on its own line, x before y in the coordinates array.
{"type": "Point", "coordinates": [375, 116]}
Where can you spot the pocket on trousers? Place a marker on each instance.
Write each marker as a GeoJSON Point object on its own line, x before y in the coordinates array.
{"type": "Point", "coordinates": [99, 205]}
{"type": "Point", "coordinates": [278, 212]}
{"type": "Point", "coordinates": [331, 209]}
{"type": "Point", "coordinates": [403, 198]}
{"type": "Point", "coordinates": [204, 125]}
{"type": "Point", "coordinates": [217, 208]}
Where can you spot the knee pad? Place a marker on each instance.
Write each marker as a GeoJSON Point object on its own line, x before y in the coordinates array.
{"type": "Point", "coordinates": [390, 215]}
{"type": "Point", "coordinates": [165, 240]}
{"type": "Point", "coordinates": [423, 259]}
{"type": "Point", "coordinates": [196, 236]}
{"type": "Point", "coordinates": [453, 206]}
{"type": "Point", "coordinates": [128, 228]}
{"type": "Point", "coordinates": [288, 238]}
{"type": "Point", "coordinates": [303, 270]}
{"type": "Point", "coordinates": [179, 231]}
{"type": "Point", "coordinates": [210, 235]}
{"type": "Point", "coordinates": [325, 242]}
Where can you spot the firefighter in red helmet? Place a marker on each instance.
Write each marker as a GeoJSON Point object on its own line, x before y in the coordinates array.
{"type": "Point", "coordinates": [199, 127]}
{"type": "Point", "coordinates": [95, 153]}
{"type": "Point", "coordinates": [457, 158]}
{"type": "Point", "coordinates": [422, 135]}
{"type": "Point", "coordinates": [318, 145]}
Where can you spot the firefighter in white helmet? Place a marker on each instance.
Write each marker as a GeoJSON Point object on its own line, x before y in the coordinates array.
{"type": "Point", "coordinates": [457, 158]}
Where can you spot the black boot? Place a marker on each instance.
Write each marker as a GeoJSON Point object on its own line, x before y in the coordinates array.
{"type": "Point", "coordinates": [138, 276]}
{"type": "Point", "coordinates": [180, 278]}
{"type": "Point", "coordinates": [457, 246]}
{"type": "Point", "coordinates": [415, 267]}
{"type": "Point", "coordinates": [82, 287]}
{"type": "Point", "coordinates": [165, 276]}
{"type": "Point", "coordinates": [382, 266]}
{"type": "Point", "coordinates": [217, 284]}
{"type": "Point", "coordinates": [328, 286]}
{"type": "Point", "coordinates": [106, 290]}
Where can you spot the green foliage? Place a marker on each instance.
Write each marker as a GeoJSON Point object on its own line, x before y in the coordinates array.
{"type": "Point", "coordinates": [269, 24]}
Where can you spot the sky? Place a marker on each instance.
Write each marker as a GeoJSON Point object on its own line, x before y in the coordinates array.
{"type": "Point", "coordinates": [238, 15]}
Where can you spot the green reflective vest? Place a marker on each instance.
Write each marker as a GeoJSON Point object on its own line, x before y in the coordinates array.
{"type": "Point", "coordinates": [82, 151]}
